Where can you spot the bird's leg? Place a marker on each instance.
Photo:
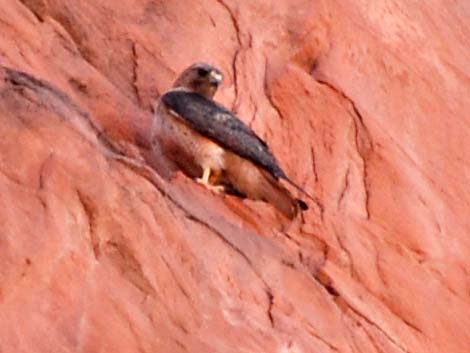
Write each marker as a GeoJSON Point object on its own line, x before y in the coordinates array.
{"type": "Point", "coordinates": [205, 177]}
{"type": "Point", "coordinates": [205, 181]}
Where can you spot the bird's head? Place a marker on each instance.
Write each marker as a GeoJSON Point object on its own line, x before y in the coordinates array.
{"type": "Point", "coordinates": [200, 78]}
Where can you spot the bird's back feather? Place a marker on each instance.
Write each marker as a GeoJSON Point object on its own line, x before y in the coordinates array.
{"type": "Point", "coordinates": [214, 121]}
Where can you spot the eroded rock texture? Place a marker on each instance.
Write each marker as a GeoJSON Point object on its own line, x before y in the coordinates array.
{"type": "Point", "coordinates": [366, 104]}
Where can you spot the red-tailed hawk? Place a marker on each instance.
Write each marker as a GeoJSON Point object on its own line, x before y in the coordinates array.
{"type": "Point", "coordinates": [208, 142]}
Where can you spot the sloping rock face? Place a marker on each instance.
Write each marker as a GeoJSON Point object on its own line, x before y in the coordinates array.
{"type": "Point", "coordinates": [365, 103]}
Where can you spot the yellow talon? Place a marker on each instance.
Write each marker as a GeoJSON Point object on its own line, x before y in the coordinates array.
{"type": "Point", "coordinates": [205, 181]}
{"type": "Point", "coordinates": [205, 177]}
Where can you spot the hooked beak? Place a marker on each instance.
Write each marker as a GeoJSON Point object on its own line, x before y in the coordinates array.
{"type": "Point", "coordinates": [215, 78]}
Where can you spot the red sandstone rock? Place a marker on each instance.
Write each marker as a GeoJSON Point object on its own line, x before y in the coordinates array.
{"type": "Point", "coordinates": [366, 104]}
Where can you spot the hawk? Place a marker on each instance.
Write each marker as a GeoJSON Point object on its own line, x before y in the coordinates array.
{"type": "Point", "coordinates": [208, 142]}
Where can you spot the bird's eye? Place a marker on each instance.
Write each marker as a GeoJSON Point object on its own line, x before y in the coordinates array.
{"type": "Point", "coordinates": [202, 72]}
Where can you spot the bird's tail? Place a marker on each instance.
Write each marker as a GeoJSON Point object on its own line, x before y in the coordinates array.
{"type": "Point", "coordinates": [259, 184]}
{"type": "Point", "coordinates": [276, 194]}
{"type": "Point", "coordinates": [302, 204]}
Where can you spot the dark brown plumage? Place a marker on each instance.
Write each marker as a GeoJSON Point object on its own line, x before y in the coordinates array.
{"type": "Point", "coordinates": [203, 138]}
{"type": "Point", "coordinates": [214, 121]}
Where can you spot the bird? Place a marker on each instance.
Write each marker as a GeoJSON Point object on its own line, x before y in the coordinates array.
{"type": "Point", "coordinates": [209, 143]}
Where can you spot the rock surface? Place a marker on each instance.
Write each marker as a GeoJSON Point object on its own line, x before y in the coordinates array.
{"type": "Point", "coordinates": [366, 104]}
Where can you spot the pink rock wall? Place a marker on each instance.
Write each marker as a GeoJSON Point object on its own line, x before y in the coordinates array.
{"type": "Point", "coordinates": [366, 104]}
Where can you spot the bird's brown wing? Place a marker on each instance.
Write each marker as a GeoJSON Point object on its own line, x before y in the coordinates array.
{"type": "Point", "coordinates": [214, 121]}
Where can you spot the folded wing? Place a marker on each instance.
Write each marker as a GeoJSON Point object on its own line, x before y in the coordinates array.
{"type": "Point", "coordinates": [214, 121]}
